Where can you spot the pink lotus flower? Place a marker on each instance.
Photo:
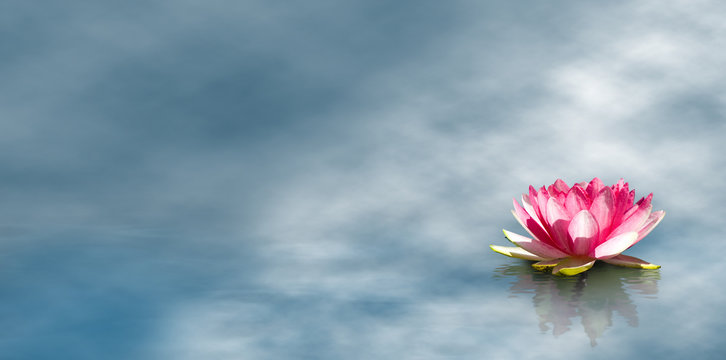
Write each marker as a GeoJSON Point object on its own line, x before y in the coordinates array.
{"type": "Point", "coordinates": [573, 227]}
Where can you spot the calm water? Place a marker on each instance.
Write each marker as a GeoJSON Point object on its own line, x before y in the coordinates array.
{"type": "Point", "coordinates": [323, 179]}
{"type": "Point", "coordinates": [90, 292]}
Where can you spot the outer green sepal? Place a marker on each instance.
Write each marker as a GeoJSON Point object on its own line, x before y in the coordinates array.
{"type": "Point", "coordinates": [546, 264]}
{"type": "Point", "coordinates": [631, 261]}
{"type": "Point", "coordinates": [516, 252]}
{"type": "Point", "coordinates": [573, 266]}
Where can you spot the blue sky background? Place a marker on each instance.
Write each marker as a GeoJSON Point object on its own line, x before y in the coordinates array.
{"type": "Point", "coordinates": [328, 154]}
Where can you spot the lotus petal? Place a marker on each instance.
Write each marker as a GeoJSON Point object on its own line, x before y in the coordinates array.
{"type": "Point", "coordinates": [516, 252]}
{"type": "Point", "coordinates": [561, 186]}
{"type": "Point", "coordinates": [631, 261]}
{"type": "Point", "coordinates": [534, 200]}
{"type": "Point", "coordinates": [546, 236]}
{"type": "Point", "coordinates": [650, 224]}
{"type": "Point", "coordinates": [631, 197]}
{"type": "Point", "coordinates": [619, 185]}
{"type": "Point", "coordinates": [615, 245]}
{"type": "Point", "coordinates": [621, 205]}
{"type": "Point", "coordinates": [576, 200]}
{"type": "Point", "coordinates": [594, 187]}
{"type": "Point", "coordinates": [534, 246]}
{"type": "Point", "coordinates": [558, 190]}
{"type": "Point", "coordinates": [573, 266]}
{"type": "Point", "coordinates": [529, 223]}
{"type": "Point", "coordinates": [558, 221]}
{"type": "Point", "coordinates": [529, 208]}
{"type": "Point", "coordinates": [602, 208]}
{"type": "Point", "coordinates": [634, 221]}
{"type": "Point", "coordinates": [583, 231]}
{"type": "Point", "coordinates": [542, 198]}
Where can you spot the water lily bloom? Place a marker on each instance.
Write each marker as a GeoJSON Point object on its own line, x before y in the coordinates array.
{"type": "Point", "coordinates": [572, 227]}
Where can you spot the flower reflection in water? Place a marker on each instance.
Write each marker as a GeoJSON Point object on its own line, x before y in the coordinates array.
{"type": "Point", "coordinates": [592, 296]}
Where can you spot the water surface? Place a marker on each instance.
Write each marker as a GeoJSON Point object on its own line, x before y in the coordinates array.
{"type": "Point", "coordinates": [249, 180]}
